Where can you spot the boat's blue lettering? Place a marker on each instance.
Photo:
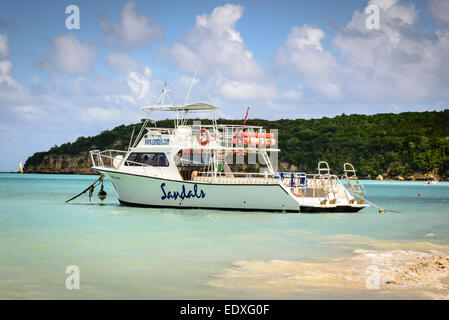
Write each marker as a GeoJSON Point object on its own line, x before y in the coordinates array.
{"type": "Point", "coordinates": [195, 193]}
{"type": "Point", "coordinates": [157, 141]}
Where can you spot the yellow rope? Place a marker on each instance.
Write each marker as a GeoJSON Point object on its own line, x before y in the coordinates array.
{"type": "Point", "coordinates": [381, 210]}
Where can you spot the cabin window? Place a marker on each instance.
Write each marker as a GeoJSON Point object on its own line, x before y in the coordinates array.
{"type": "Point", "coordinates": [147, 158]}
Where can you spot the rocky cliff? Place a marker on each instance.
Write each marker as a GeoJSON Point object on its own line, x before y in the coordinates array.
{"type": "Point", "coordinates": [62, 164]}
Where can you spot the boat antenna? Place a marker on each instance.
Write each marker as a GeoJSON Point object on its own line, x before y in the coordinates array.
{"type": "Point", "coordinates": [142, 129]}
{"type": "Point", "coordinates": [131, 139]}
{"type": "Point", "coordinates": [164, 94]}
{"type": "Point", "coordinates": [160, 101]}
{"type": "Point", "coordinates": [192, 82]}
{"type": "Point", "coordinates": [246, 117]}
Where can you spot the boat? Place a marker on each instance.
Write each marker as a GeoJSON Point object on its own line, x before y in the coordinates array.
{"type": "Point", "coordinates": [20, 168]}
{"type": "Point", "coordinates": [197, 165]}
{"type": "Point", "coordinates": [431, 181]}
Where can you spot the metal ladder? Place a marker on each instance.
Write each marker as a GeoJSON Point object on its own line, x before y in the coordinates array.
{"type": "Point", "coordinates": [267, 162]}
{"type": "Point", "coordinates": [328, 183]}
{"type": "Point", "coordinates": [316, 184]}
{"type": "Point", "coordinates": [356, 188]}
{"type": "Point", "coordinates": [323, 168]}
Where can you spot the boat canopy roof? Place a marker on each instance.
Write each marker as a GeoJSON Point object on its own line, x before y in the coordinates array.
{"type": "Point", "coordinates": [200, 106]}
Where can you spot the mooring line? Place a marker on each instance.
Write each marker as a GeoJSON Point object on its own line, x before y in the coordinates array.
{"type": "Point", "coordinates": [381, 210]}
{"type": "Point", "coordinates": [89, 188]}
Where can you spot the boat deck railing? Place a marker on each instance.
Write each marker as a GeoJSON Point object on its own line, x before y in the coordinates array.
{"type": "Point", "coordinates": [328, 188]}
{"type": "Point", "coordinates": [222, 136]}
{"type": "Point", "coordinates": [105, 158]}
{"type": "Point", "coordinates": [113, 159]}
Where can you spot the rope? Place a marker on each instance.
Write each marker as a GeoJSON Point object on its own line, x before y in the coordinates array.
{"type": "Point", "coordinates": [381, 210]}
{"type": "Point", "coordinates": [89, 188]}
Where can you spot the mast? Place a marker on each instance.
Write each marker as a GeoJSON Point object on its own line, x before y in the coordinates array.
{"type": "Point", "coordinates": [159, 101]}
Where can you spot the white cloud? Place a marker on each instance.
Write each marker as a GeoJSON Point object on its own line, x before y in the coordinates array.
{"type": "Point", "coordinates": [14, 98]}
{"type": "Point", "coordinates": [122, 62]}
{"type": "Point", "coordinates": [133, 30]}
{"type": "Point", "coordinates": [397, 63]}
{"type": "Point", "coordinates": [301, 38]}
{"type": "Point", "coordinates": [227, 67]}
{"type": "Point", "coordinates": [440, 10]}
{"type": "Point", "coordinates": [5, 68]}
{"type": "Point", "coordinates": [27, 112]}
{"type": "Point", "coordinates": [238, 90]}
{"type": "Point", "coordinates": [136, 77]}
{"type": "Point", "coordinates": [10, 89]}
{"type": "Point", "coordinates": [392, 11]}
{"type": "Point", "coordinates": [292, 95]}
{"type": "Point", "coordinates": [68, 56]}
{"type": "Point", "coordinates": [303, 57]}
{"type": "Point", "coordinates": [109, 115]}
{"type": "Point", "coordinates": [215, 42]}
{"type": "Point", "coordinates": [140, 84]}
{"type": "Point", "coordinates": [3, 45]}
{"type": "Point", "coordinates": [222, 21]}
{"type": "Point", "coordinates": [105, 102]}
{"type": "Point", "coordinates": [231, 76]}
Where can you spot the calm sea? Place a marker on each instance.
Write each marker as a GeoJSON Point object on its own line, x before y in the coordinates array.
{"type": "Point", "coordinates": [141, 253]}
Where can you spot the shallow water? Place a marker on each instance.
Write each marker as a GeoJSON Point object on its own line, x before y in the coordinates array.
{"type": "Point", "coordinates": [138, 253]}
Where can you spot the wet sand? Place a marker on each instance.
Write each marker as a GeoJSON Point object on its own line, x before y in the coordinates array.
{"type": "Point", "coordinates": [389, 273]}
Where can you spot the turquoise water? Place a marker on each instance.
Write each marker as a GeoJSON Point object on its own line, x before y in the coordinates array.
{"type": "Point", "coordinates": [140, 253]}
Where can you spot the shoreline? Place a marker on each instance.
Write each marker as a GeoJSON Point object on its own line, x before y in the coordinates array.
{"type": "Point", "coordinates": [421, 177]}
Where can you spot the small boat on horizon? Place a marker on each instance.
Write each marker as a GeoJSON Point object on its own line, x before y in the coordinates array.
{"type": "Point", "coordinates": [20, 168]}
{"type": "Point", "coordinates": [431, 181]}
{"type": "Point", "coordinates": [192, 165]}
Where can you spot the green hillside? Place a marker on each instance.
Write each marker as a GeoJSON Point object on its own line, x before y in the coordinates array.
{"type": "Point", "coordinates": [404, 144]}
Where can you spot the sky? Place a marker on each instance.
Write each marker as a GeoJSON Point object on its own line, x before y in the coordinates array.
{"type": "Point", "coordinates": [283, 59]}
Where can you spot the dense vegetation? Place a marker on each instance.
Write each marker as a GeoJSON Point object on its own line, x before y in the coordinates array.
{"type": "Point", "coordinates": [393, 144]}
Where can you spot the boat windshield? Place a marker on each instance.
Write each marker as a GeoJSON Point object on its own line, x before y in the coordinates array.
{"type": "Point", "coordinates": [155, 159]}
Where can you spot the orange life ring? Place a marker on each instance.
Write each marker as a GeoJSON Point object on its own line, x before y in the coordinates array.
{"type": "Point", "coordinates": [200, 139]}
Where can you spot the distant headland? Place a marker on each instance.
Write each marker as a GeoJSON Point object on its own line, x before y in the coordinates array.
{"type": "Point", "coordinates": [404, 146]}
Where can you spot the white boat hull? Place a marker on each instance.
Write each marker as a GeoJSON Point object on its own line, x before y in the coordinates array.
{"type": "Point", "coordinates": [139, 190]}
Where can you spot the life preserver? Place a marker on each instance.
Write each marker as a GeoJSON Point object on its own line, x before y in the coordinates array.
{"type": "Point", "coordinates": [254, 138]}
{"type": "Point", "coordinates": [203, 132]}
{"type": "Point", "coordinates": [240, 141]}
